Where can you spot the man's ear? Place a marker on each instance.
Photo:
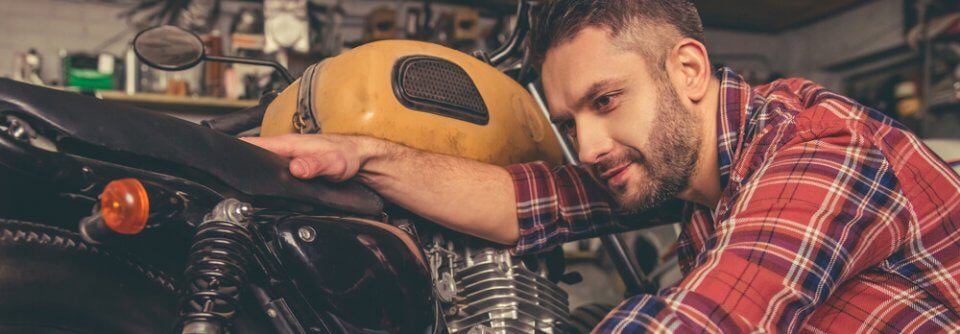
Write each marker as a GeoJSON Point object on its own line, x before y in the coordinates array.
{"type": "Point", "coordinates": [690, 69]}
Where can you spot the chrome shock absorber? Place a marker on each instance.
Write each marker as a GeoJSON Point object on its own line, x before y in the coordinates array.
{"type": "Point", "coordinates": [216, 269]}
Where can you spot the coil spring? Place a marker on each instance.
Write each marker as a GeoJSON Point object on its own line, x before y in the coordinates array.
{"type": "Point", "coordinates": [216, 271]}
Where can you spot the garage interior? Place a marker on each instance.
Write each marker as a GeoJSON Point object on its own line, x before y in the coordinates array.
{"type": "Point", "coordinates": [874, 51]}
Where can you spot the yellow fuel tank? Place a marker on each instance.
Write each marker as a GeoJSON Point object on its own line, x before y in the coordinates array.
{"type": "Point", "coordinates": [421, 95]}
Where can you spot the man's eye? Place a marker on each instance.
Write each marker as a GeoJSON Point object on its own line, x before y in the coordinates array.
{"type": "Point", "coordinates": [569, 128]}
{"type": "Point", "coordinates": [604, 101]}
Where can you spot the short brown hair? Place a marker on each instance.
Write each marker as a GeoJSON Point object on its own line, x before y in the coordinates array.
{"type": "Point", "coordinates": [560, 20]}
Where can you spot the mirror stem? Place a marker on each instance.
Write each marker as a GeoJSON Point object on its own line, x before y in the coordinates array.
{"type": "Point", "coordinates": [226, 59]}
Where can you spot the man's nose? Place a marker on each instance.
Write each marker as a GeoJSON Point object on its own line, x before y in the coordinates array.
{"type": "Point", "coordinates": [593, 143]}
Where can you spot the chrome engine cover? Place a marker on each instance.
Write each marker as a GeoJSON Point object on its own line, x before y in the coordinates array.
{"type": "Point", "coordinates": [486, 290]}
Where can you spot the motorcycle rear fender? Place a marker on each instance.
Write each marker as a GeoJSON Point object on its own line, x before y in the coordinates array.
{"type": "Point", "coordinates": [368, 274]}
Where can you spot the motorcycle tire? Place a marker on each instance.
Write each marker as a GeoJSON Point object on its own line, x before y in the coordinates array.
{"type": "Point", "coordinates": [51, 281]}
{"type": "Point", "coordinates": [586, 317]}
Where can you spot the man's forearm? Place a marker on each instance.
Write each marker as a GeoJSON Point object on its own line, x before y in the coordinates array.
{"type": "Point", "coordinates": [461, 194]}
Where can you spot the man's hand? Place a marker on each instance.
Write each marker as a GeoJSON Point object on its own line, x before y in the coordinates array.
{"type": "Point", "coordinates": [334, 157]}
{"type": "Point", "coordinates": [464, 195]}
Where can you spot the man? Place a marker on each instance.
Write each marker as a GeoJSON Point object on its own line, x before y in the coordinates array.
{"type": "Point", "coordinates": [805, 211]}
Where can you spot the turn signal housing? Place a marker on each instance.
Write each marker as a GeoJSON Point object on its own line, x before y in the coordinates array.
{"type": "Point", "coordinates": [124, 206]}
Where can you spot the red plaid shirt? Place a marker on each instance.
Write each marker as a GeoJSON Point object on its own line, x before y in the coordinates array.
{"type": "Point", "coordinates": [833, 218]}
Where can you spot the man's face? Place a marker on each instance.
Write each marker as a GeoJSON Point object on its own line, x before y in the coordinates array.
{"type": "Point", "coordinates": [631, 129]}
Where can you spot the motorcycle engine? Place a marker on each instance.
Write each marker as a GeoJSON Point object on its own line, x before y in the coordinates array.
{"type": "Point", "coordinates": [483, 289]}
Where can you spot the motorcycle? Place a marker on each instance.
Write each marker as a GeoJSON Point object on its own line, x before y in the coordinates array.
{"type": "Point", "coordinates": [120, 220]}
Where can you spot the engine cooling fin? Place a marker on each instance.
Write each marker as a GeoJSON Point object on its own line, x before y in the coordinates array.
{"type": "Point", "coordinates": [496, 293]}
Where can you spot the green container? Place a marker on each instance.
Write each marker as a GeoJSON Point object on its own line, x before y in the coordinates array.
{"type": "Point", "coordinates": [88, 79]}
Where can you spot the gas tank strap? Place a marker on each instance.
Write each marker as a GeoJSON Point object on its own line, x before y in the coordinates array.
{"type": "Point", "coordinates": [304, 119]}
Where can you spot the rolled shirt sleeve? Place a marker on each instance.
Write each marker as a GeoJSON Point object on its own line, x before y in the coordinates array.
{"type": "Point", "coordinates": [559, 205]}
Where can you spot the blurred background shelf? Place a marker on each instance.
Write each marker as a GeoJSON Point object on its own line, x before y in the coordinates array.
{"type": "Point", "coordinates": [176, 103]}
{"type": "Point", "coordinates": [191, 108]}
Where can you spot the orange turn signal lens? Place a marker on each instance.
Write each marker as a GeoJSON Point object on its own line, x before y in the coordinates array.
{"type": "Point", "coordinates": [124, 206]}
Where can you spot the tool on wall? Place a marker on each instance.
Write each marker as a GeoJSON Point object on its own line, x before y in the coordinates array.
{"type": "Point", "coordinates": [196, 15]}
{"type": "Point", "coordinates": [286, 25]}
{"type": "Point", "coordinates": [380, 24]}
{"type": "Point", "coordinates": [27, 66]}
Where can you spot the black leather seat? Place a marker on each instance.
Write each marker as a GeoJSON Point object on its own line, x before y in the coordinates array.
{"type": "Point", "coordinates": [245, 168]}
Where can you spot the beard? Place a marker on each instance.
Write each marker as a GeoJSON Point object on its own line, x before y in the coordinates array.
{"type": "Point", "coordinates": [670, 160]}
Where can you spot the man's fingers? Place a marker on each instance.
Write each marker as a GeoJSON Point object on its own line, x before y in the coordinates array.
{"type": "Point", "coordinates": [306, 167]}
{"type": "Point", "coordinates": [337, 170]}
{"type": "Point", "coordinates": [329, 165]}
{"type": "Point", "coordinates": [276, 145]}
{"type": "Point", "coordinates": [286, 145]}
{"type": "Point", "coordinates": [300, 168]}
{"type": "Point", "coordinates": [312, 155]}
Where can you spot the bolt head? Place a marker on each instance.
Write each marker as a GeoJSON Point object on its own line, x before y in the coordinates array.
{"type": "Point", "coordinates": [307, 233]}
{"type": "Point", "coordinates": [245, 210]}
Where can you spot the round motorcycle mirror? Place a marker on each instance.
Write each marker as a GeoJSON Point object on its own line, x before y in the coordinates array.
{"type": "Point", "coordinates": [168, 48]}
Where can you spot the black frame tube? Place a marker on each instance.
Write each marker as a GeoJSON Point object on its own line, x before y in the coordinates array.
{"type": "Point", "coordinates": [227, 59]}
{"type": "Point", "coordinates": [635, 281]}
{"type": "Point", "coordinates": [513, 44]}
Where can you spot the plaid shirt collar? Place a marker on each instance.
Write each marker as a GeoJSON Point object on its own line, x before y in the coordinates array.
{"type": "Point", "coordinates": [732, 113]}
